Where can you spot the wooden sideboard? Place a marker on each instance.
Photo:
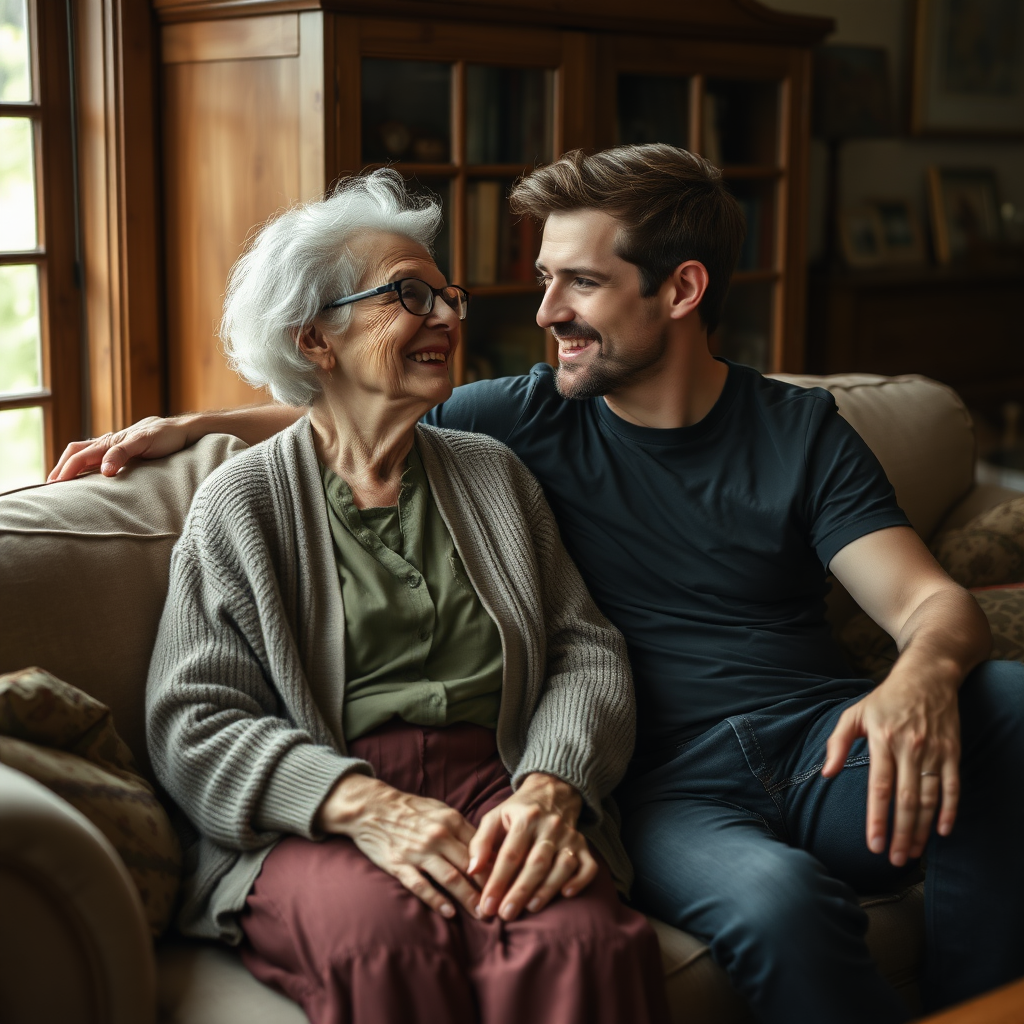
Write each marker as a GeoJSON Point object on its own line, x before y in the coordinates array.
{"type": "Point", "coordinates": [963, 325]}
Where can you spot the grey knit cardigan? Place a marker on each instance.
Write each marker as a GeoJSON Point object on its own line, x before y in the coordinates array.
{"type": "Point", "coordinates": [247, 682]}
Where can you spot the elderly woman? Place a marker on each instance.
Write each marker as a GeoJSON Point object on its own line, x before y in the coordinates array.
{"type": "Point", "coordinates": [381, 693]}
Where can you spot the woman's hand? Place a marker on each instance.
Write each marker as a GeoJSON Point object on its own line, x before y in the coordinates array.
{"type": "Point", "coordinates": [538, 850]}
{"type": "Point", "coordinates": [408, 836]}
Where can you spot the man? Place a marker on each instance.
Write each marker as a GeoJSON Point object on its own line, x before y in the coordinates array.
{"type": "Point", "coordinates": [704, 505]}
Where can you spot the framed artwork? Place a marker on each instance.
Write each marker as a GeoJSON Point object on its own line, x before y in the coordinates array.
{"type": "Point", "coordinates": [968, 68]}
{"type": "Point", "coordinates": [964, 211]}
{"type": "Point", "coordinates": [862, 235]}
{"type": "Point", "coordinates": [902, 240]}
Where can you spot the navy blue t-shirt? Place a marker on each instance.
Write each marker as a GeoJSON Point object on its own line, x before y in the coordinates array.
{"type": "Point", "coordinates": [707, 545]}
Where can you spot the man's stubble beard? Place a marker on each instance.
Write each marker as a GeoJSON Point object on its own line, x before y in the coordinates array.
{"type": "Point", "coordinates": [608, 374]}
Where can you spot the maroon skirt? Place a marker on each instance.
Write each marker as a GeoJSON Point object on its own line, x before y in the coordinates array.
{"type": "Point", "coordinates": [349, 943]}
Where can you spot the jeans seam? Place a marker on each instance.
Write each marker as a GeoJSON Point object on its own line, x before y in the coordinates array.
{"type": "Point", "coordinates": [853, 762]}
{"type": "Point", "coordinates": [765, 778]}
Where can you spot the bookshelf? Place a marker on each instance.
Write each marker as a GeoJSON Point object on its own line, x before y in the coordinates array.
{"type": "Point", "coordinates": [266, 103]}
{"type": "Point", "coordinates": [741, 107]}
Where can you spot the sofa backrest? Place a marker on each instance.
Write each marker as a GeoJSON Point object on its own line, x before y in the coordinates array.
{"type": "Point", "coordinates": [921, 432]}
{"type": "Point", "coordinates": [83, 575]}
{"type": "Point", "coordinates": [84, 564]}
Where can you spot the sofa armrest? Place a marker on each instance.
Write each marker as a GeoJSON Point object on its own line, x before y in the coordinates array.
{"type": "Point", "coordinates": [978, 499]}
{"type": "Point", "coordinates": [74, 944]}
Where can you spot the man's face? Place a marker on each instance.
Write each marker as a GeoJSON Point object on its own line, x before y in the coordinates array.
{"type": "Point", "coordinates": [608, 335]}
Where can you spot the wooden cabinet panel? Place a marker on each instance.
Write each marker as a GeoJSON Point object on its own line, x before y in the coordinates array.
{"type": "Point", "coordinates": [243, 138]}
{"type": "Point", "coordinates": [231, 145]}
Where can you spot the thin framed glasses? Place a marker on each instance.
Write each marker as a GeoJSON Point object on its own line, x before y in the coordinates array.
{"type": "Point", "coordinates": [415, 295]}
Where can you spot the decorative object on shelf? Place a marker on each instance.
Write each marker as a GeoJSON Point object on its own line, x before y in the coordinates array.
{"type": "Point", "coordinates": [395, 137]}
{"type": "Point", "coordinates": [902, 239]}
{"type": "Point", "coordinates": [852, 100]}
{"type": "Point", "coordinates": [968, 60]}
{"type": "Point", "coordinates": [430, 151]}
{"type": "Point", "coordinates": [862, 235]}
{"type": "Point", "coordinates": [964, 211]}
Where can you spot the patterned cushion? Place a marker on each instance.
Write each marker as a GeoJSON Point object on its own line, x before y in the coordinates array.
{"type": "Point", "coordinates": [989, 550]}
{"type": "Point", "coordinates": [65, 739]}
{"type": "Point", "coordinates": [871, 651]}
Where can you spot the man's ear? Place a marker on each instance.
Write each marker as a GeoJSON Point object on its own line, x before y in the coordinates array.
{"type": "Point", "coordinates": [312, 343]}
{"type": "Point", "coordinates": [688, 282]}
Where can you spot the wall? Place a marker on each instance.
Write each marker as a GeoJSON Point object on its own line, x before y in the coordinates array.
{"type": "Point", "coordinates": [894, 167]}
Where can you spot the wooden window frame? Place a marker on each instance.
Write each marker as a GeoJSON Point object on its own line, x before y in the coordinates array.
{"type": "Point", "coordinates": [60, 308]}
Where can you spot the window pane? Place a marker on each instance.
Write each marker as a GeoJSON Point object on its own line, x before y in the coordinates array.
{"type": "Point", "coordinates": [14, 77]}
{"type": "Point", "coordinates": [17, 185]}
{"type": "Point", "coordinates": [740, 123]}
{"type": "Point", "coordinates": [406, 111]}
{"type": "Point", "coordinates": [654, 108]}
{"type": "Point", "coordinates": [19, 330]}
{"type": "Point", "coordinates": [21, 448]}
{"type": "Point", "coordinates": [757, 199]}
{"type": "Point", "coordinates": [509, 115]}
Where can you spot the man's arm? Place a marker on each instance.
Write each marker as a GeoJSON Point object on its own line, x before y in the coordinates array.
{"type": "Point", "coordinates": [911, 720]}
{"type": "Point", "coordinates": [154, 437]}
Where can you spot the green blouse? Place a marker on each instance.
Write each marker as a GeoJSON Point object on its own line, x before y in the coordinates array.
{"type": "Point", "coordinates": [418, 642]}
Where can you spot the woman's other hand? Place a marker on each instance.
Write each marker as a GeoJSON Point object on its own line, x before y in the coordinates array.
{"type": "Point", "coordinates": [408, 836]}
{"type": "Point", "coordinates": [536, 849]}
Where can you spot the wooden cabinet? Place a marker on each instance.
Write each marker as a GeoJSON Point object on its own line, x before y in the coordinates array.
{"type": "Point", "coordinates": [265, 104]}
{"type": "Point", "coordinates": [960, 325]}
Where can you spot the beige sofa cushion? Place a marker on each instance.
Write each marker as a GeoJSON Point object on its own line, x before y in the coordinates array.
{"type": "Point", "coordinates": [920, 431]}
{"type": "Point", "coordinates": [85, 567]}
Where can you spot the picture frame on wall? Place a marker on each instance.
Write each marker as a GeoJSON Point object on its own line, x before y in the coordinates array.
{"type": "Point", "coordinates": [964, 208]}
{"type": "Point", "coordinates": [968, 68]}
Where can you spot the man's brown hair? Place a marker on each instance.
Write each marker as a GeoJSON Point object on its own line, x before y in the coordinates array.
{"type": "Point", "coordinates": [672, 204]}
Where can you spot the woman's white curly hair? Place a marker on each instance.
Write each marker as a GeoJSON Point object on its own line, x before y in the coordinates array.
{"type": "Point", "coordinates": [301, 260]}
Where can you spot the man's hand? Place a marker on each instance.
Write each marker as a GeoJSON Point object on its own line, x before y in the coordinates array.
{"type": "Point", "coordinates": [911, 720]}
{"type": "Point", "coordinates": [410, 837]}
{"type": "Point", "coordinates": [535, 846]}
{"type": "Point", "coordinates": [154, 437]}
{"type": "Point", "coordinates": [913, 732]}
{"type": "Point", "coordinates": [151, 438]}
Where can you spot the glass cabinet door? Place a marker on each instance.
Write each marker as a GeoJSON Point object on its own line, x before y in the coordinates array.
{"type": "Point", "coordinates": [467, 131]}
{"type": "Point", "coordinates": [735, 124]}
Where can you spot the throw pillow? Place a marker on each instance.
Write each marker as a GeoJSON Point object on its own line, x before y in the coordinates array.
{"type": "Point", "coordinates": [989, 550]}
{"type": "Point", "coordinates": [872, 652]}
{"type": "Point", "coordinates": [65, 739]}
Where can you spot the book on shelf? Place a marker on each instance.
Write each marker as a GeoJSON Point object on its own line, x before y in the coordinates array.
{"type": "Point", "coordinates": [711, 139]}
{"type": "Point", "coordinates": [750, 251]}
{"type": "Point", "coordinates": [483, 216]}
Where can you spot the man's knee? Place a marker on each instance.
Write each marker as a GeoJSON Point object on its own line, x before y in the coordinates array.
{"type": "Point", "coordinates": [992, 708]}
{"type": "Point", "coordinates": [788, 905]}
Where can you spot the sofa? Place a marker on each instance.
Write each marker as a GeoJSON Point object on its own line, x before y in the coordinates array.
{"type": "Point", "coordinates": [83, 573]}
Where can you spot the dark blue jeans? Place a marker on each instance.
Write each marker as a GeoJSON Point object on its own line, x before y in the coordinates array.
{"type": "Point", "coordinates": [739, 840]}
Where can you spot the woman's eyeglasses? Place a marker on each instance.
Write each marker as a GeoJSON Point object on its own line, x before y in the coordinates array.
{"type": "Point", "coordinates": [415, 295]}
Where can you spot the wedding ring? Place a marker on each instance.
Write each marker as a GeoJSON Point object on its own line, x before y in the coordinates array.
{"type": "Point", "coordinates": [923, 774]}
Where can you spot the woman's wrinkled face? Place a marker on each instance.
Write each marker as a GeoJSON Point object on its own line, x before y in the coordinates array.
{"type": "Point", "coordinates": [385, 349]}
